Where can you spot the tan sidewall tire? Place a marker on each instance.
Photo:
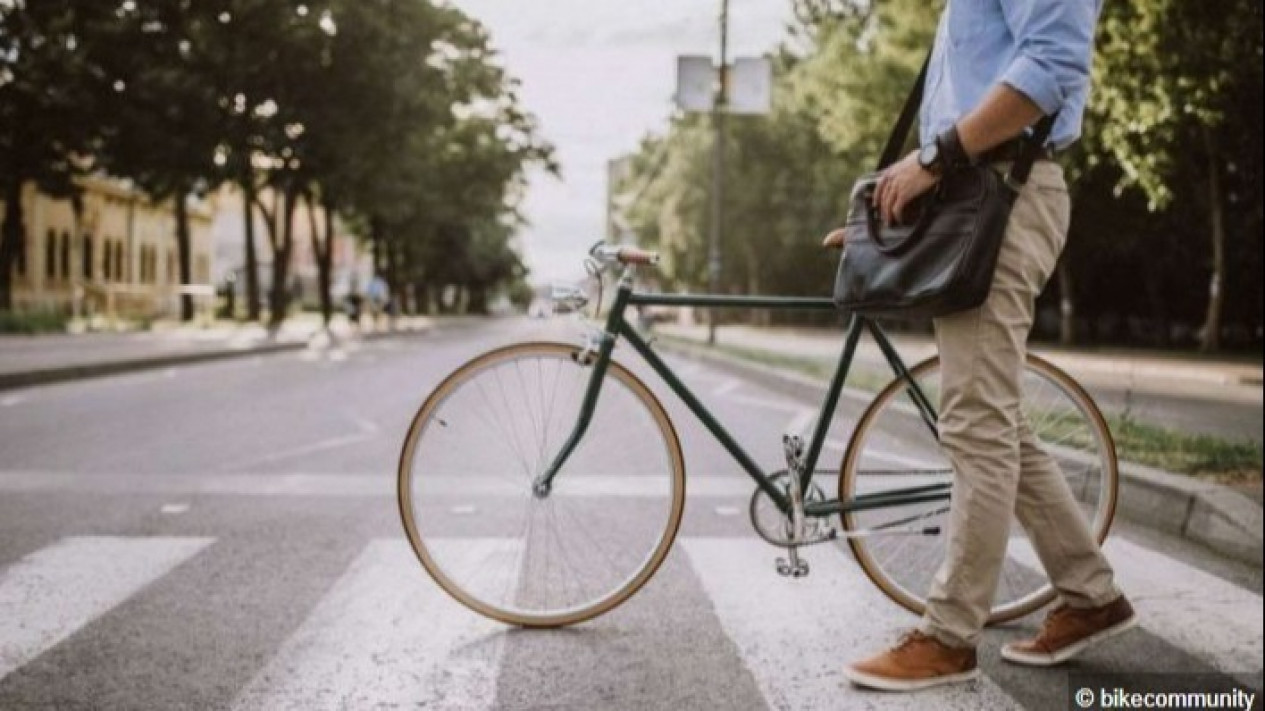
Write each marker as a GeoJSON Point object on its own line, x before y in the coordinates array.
{"type": "Point", "coordinates": [404, 490]}
{"type": "Point", "coordinates": [846, 484]}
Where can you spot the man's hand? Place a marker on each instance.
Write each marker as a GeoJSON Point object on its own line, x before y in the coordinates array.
{"type": "Point", "coordinates": [901, 183]}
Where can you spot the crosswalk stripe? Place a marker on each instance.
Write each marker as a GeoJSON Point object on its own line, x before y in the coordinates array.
{"type": "Point", "coordinates": [1194, 611]}
{"type": "Point", "coordinates": [48, 595]}
{"type": "Point", "coordinates": [385, 636]}
{"type": "Point", "coordinates": [795, 635]}
{"type": "Point", "coordinates": [356, 485]}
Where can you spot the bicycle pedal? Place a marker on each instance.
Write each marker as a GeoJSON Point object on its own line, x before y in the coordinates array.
{"type": "Point", "coordinates": [796, 569]}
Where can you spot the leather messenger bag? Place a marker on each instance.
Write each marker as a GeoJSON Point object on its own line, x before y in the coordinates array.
{"type": "Point", "coordinates": [942, 260]}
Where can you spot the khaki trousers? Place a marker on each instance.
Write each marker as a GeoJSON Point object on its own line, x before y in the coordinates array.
{"type": "Point", "coordinates": [999, 470]}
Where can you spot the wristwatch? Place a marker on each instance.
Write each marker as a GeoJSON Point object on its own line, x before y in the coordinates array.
{"type": "Point", "coordinates": [943, 154]}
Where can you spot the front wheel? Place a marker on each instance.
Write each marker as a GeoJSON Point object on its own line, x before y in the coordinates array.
{"type": "Point", "coordinates": [895, 447]}
{"type": "Point", "coordinates": [467, 503]}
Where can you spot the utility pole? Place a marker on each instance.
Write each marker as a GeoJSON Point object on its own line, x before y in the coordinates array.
{"type": "Point", "coordinates": [719, 108]}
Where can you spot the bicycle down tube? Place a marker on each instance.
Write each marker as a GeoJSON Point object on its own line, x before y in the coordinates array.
{"type": "Point", "coordinates": [617, 326]}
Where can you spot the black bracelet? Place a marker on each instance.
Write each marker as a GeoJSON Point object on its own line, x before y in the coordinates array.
{"type": "Point", "coordinates": [954, 155]}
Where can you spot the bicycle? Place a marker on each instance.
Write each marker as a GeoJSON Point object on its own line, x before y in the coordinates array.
{"type": "Point", "coordinates": [543, 484]}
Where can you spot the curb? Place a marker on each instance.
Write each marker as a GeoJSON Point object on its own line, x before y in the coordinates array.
{"type": "Point", "coordinates": [1209, 514]}
{"type": "Point", "coordinates": [68, 373]}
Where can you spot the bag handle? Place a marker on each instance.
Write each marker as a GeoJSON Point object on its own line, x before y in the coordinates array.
{"type": "Point", "coordinates": [875, 225]}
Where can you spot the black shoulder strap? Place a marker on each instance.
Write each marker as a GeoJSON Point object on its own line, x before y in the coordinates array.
{"type": "Point", "coordinates": [900, 131]}
{"type": "Point", "coordinates": [1019, 170]}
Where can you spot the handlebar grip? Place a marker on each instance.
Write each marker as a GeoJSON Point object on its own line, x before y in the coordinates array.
{"type": "Point", "coordinates": [632, 255]}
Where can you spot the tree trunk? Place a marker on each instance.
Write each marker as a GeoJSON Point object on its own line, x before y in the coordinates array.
{"type": "Point", "coordinates": [1067, 305]}
{"type": "Point", "coordinates": [477, 299]}
{"type": "Point", "coordinates": [279, 300]}
{"type": "Point", "coordinates": [322, 251]}
{"type": "Point", "coordinates": [184, 256]}
{"type": "Point", "coordinates": [252, 258]}
{"type": "Point", "coordinates": [1216, 284]}
{"type": "Point", "coordinates": [11, 235]}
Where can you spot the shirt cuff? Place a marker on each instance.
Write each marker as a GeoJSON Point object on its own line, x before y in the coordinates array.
{"type": "Point", "coordinates": [1035, 82]}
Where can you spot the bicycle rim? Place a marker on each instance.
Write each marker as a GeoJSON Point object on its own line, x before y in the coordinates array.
{"type": "Point", "coordinates": [465, 487]}
{"type": "Point", "coordinates": [894, 448]}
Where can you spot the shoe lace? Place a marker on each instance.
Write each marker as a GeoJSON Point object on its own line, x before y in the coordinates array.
{"type": "Point", "coordinates": [910, 638]}
{"type": "Point", "coordinates": [1056, 615]}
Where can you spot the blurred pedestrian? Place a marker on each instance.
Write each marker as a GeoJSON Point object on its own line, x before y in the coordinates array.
{"type": "Point", "coordinates": [998, 66]}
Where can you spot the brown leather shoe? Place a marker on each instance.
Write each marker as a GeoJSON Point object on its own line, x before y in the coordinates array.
{"type": "Point", "coordinates": [1068, 631]}
{"type": "Point", "coordinates": [917, 662]}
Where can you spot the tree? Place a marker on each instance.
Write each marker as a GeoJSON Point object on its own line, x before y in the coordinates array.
{"type": "Point", "coordinates": [50, 93]}
{"type": "Point", "coordinates": [165, 123]}
{"type": "Point", "coordinates": [1173, 83]}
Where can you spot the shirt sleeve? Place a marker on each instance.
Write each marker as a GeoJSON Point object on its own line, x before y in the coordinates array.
{"type": "Point", "coordinates": [1055, 41]}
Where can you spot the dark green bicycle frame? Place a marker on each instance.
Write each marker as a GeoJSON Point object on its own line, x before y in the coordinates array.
{"type": "Point", "coordinates": [617, 327]}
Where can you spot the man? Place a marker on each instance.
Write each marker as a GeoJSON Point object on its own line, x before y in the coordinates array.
{"type": "Point", "coordinates": [998, 66]}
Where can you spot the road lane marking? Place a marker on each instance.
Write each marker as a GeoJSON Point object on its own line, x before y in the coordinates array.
{"type": "Point", "coordinates": [1194, 611]}
{"type": "Point", "coordinates": [11, 400]}
{"type": "Point", "coordinates": [48, 595]}
{"type": "Point", "coordinates": [386, 636]}
{"type": "Point", "coordinates": [373, 484]}
{"type": "Point", "coordinates": [820, 622]}
{"type": "Point", "coordinates": [174, 509]}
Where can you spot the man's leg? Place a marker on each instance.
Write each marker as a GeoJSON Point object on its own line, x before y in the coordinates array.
{"type": "Point", "coordinates": [982, 354]}
{"type": "Point", "coordinates": [1058, 530]}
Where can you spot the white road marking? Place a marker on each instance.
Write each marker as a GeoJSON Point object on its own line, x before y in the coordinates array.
{"type": "Point", "coordinates": [817, 624]}
{"type": "Point", "coordinates": [801, 423]}
{"type": "Point", "coordinates": [727, 510]}
{"type": "Point", "coordinates": [11, 400]}
{"type": "Point", "coordinates": [48, 595]}
{"type": "Point", "coordinates": [174, 509]}
{"type": "Point", "coordinates": [364, 484]}
{"type": "Point", "coordinates": [386, 636]}
{"type": "Point", "coordinates": [727, 387]}
{"type": "Point", "coordinates": [786, 406]}
{"type": "Point", "coordinates": [1195, 611]}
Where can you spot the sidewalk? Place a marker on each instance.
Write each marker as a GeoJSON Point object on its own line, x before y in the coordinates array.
{"type": "Point", "coordinates": [1232, 380]}
{"type": "Point", "coordinates": [1216, 516]}
{"type": "Point", "coordinates": [50, 358]}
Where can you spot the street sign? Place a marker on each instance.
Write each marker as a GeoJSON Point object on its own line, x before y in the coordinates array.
{"type": "Point", "coordinates": [750, 87]}
{"type": "Point", "coordinates": [695, 83]}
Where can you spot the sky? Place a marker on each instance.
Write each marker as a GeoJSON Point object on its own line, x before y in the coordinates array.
{"type": "Point", "coordinates": [599, 75]}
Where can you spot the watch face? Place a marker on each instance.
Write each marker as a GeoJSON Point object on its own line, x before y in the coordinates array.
{"type": "Point", "coordinates": [929, 154]}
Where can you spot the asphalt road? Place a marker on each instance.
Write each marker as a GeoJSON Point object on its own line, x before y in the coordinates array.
{"type": "Point", "coordinates": [226, 536]}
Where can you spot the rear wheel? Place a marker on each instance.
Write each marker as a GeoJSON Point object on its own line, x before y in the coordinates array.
{"type": "Point", "coordinates": [893, 447]}
{"type": "Point", "coordinates": [466, 499]}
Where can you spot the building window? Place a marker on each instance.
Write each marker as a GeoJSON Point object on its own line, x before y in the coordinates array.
{"type": "Point", "coordinates": [120, 261]}
{"type": "Point", "coordinates": [65, 255]}
{"type": "Point", "coordinates": [20, 260]}
{"type": "Point", "coordinates": [50, 255]}
{"type": "Point", "coordinates": [87, 256]}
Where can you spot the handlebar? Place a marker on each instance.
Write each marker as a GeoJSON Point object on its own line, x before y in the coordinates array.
{"type": "Point", "coordinates": [628, 256]}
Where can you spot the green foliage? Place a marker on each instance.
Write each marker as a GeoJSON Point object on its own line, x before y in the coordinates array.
{"type": "Point", "coordinates": [1176, 99]}
{"type": "Point", "coordinates": [33, 322]}
{"type": "Point", "coordinates": [395, 113]}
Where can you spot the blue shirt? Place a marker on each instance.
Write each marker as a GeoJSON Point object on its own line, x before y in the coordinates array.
{"type": "Point", "coordinates": [1041, 48]}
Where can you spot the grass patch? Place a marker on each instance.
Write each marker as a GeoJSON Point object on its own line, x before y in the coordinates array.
{"type": "Point", "coordinates": [1204, 456]}
{"type": "Point", "coordinates": [1199, 455]}
{"type": "Point", "coordinates": [32, 322]}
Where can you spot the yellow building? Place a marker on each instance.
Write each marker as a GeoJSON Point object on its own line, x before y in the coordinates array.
{"type": "Point", "coordinates": [119, 257]}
